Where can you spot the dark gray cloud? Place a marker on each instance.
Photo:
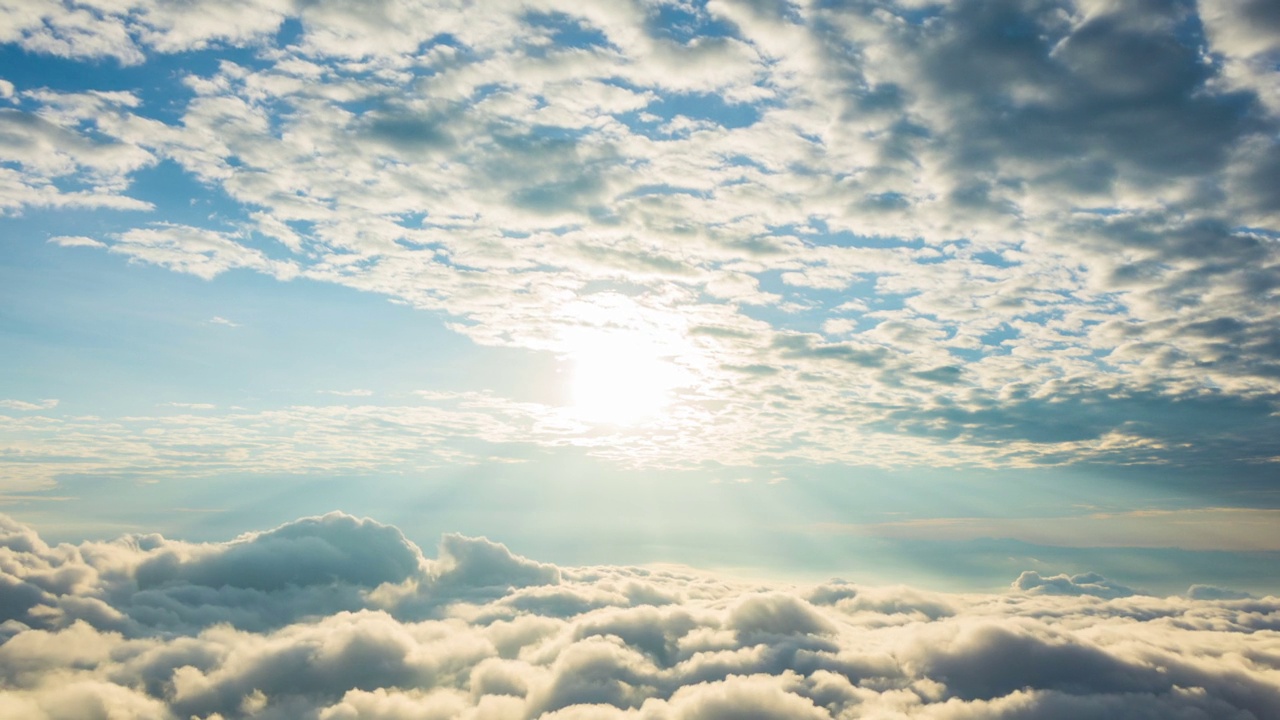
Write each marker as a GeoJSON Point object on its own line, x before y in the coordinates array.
{"type": "Point", "coordinates": [512, 638]}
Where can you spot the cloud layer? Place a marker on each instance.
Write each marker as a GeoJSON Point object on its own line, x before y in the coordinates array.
{"type": "Point", "coordinates": [994, 233]}
{"type": "Point", "coordinates": [337, 617]}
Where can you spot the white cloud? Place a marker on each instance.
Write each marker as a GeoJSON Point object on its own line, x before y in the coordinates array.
{"type": "Point", "coordinates": [335, 617]}
{"type": "Point", "coordinates": [76, 241]}
{"type": "Point", "coordinates": [1026, 227]}
{"type": "Point", "coordinates": [26, 406]}
{"type": "Point", "coordinates": [1082, 584]}
{"type": "Point", "coordinates": [203, 253]}
{"type": "Point", "coordinates": [41, 149]}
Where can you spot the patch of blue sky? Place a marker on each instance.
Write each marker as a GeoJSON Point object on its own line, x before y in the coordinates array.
{"type": "Point", "coordinates": [417, 219]}
{"type": "Point", "coordinates": [687, 22]}
{"type": "Point", "coordinates": [180, 197]}
{"type": "Point", "coordinates": [318, 336]}
{"type": "Point", "coordinates": [156, 82]}
{"type": "Point", "coordinates": [290, 31]}
{"type": "Point", "coordinates": [818, 304]}
{"type": "Point", "coordinates": [998, 337]}
{"type": "Point", "coordinates": [738, 160]}
{"type": "Point", "coordinates": [993, 259]}
{"type": "Point", "coordinates": [566, 31]}
{"type": "Point", "coordinates": [705, 107]}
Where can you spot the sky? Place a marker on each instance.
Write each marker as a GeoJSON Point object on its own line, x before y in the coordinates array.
{"type": "Point", "coordinates": [796, 356]}
{"type": "Point", "coordinates": [904, 291]}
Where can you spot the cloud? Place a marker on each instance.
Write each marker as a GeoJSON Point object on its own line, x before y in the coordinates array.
{"type": "Point", "coordinates": [1207, 528]}
{"type": "Point", "coordinates": [338, 617]}
{"type": "Point", "coordinates": [1019, 255]}
{"type": "Point", "coordinates": [445, 428]}
{"type": "Point", "coordinates": [25, 406]}
{"type": "Point", "coordinates": [313, 551]}
{"type": "Point", "coordinates": [50, 160]}
{"type": "Point", "coordinates": [1084, 584]}
{"type": "Point", "coordinates": [76, 241]}
{"type": "Point", "coordinates": [1210, 592]}
{"type": "Point", "coordinates": [203, 253]}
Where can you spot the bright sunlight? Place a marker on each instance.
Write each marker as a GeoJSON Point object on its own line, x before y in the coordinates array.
{"type": "Point", "coordinates": [619, 378]}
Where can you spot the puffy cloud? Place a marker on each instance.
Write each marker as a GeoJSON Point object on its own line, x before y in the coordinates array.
{"type": "Point", "coordinates": [313, 551]}
{"type": "Point", "coordinates": [708, 648]}
{"type": "Point", "coordinates": [1083, 584]}
{"type": "Point", "coordinates": [42, 153]}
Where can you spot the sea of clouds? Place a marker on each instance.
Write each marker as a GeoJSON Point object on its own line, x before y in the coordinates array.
{"type": "Point", "coordinates": [337, 617]}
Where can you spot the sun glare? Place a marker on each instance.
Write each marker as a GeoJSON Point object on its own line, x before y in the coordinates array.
{"type": "Point", "coordinates": [619, 379]}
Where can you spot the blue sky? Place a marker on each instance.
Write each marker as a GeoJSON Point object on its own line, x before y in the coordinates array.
{"type": "Point", "coordinates": [899, 291]}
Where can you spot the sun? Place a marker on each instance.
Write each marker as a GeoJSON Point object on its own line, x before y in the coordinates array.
{"type": "Point", "coordinates": [620, 379]}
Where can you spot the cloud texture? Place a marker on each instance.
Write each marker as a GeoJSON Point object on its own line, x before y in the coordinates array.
{"type": "Point", "coordinates": [1007, 233]}
{"type": "Point", "coordinates": [337, 617]}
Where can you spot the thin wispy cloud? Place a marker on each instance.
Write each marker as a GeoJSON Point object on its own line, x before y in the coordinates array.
{"type": "Point", "coordinates": [1191, 529]}
{"type": "Point", "coordinates": [28, 406]}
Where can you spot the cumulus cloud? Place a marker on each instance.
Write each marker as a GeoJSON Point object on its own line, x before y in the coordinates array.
{"type": "Point", "coordinates": [336, 617]}
{"type": "Point", "coordinates": [1083, 584]}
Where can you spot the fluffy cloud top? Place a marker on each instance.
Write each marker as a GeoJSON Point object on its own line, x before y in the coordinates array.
{"type": "Point", "coordinates": [335, 617]}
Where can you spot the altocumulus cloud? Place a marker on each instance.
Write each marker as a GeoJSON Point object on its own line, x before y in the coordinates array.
{"type": "Point", "coordinates": [336, 617]}
{"type": "Point", "coordinates": [1001, 233]}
